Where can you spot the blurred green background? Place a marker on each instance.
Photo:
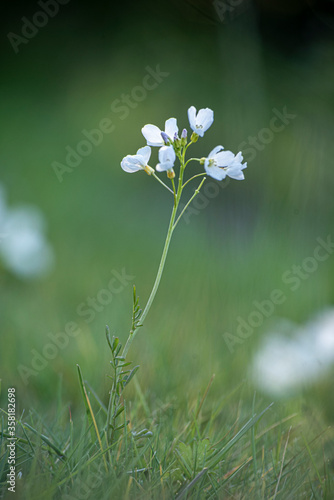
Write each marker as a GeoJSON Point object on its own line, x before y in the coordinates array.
{"type": "Point", "coordinates": [242, 63]}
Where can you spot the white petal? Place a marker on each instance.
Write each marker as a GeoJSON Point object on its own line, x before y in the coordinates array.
{"type": "Point", "coordinates": [205, 118]}
{"type": "Point", "coordinates": [167, 153]}
{"type": "Point", "coordinates": [235, 173]}
{"type": "Point", "coordinates": [237, 159]}
{"type": "Point", "coordinates": [152, 134]}
{"type": "Point", "coordinates": [224, 158]}
{"type": "Point", "coordinates": [160, 167]}
{"type": "Point", "coordinates": [217, 173]}
{"type": "Point", "coordinates": [145, 152]}
{"type": "Point", "coordinates": [192, 117]}
{"type": "Point", "coordinates": [166, 157]}
{"type": "Point", "coordinates": [130, 164]}
{"type": "Point", "coordinates": [215, 151]}
{"type": "Point", "coordinates": [171, 128]}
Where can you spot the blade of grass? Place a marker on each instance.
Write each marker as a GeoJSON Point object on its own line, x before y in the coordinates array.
{"type": "Point", "coordinates": [282, 465]}
{"type": "Point", "coordinates": [220, 453]}
{"type": "Point", "coordinates": [98, 400]}
{"type": "Point", "coordinates": [186, 490]}
{"type": "Point", "coordinates": [90, 412]}
{"type": "Point", "coordinates": [312, 460]}
{"type": "Point", "coordinates": [254, 447]}
{"type": "Point", "coordinates": [46, 440]}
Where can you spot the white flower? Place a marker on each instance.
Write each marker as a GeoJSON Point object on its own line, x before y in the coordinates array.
{"type": "Point", "coordinates": [152, 133]}
{"type": "Point", "coordinates": [133, 163]}
{"type": "Point", "coordinates": [200, 122]}
{"type": "Point", "coordinates": [166, 158]}
{"type": "Point", "coordinates": [221, 163]}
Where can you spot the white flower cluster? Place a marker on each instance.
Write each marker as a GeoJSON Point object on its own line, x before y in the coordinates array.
{"type": "Point", "coordinates": [218, 164]}
{"type": "Point", "coordinates": [23, 248]}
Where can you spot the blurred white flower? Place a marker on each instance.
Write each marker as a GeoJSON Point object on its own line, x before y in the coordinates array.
{"type": "Point", "coordinates": [221, 163]}
{"type": "Point", "coordinates": [285, 364]}
{"type": "Point", "coordinates": [23, 247]}
{"type": "Point", "coordinates": [139, 161]}
{"type": "Point", "coordinates": [201, 121]}
{"type": "Point", "coordinates": [156, 137]}
{"type": "Point", "coordinates": [3, 208]}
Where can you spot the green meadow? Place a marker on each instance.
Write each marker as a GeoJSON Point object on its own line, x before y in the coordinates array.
{"type": "Point", "coordinates": [194, 422]}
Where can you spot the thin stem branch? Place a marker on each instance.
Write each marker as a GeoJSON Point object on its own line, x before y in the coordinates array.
{"type": "Point", "coordinates": [191, 159]}
{"type": "Point", "coordinates": [161, 182]}
{"type": "Point", "coordinates": [194, 177]}
{"type": "Point", "coordinates": [173, 184]}
{"type": "Point", "coordinates": [187, 205]}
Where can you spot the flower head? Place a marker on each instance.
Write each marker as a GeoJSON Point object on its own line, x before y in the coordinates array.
{"type": "Point", "coordinates": [201, 121]}
{"type": "Point", "coordinates": [153, 134]}
{"type": "Point", "coordinates": [133, 163]}
{"type": "Point", "coordinates": [221, 163]}
{"type": "Point", "coordinates": [166, 159]}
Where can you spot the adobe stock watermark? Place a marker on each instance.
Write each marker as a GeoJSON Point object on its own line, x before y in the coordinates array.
{"type": "Point", "coordinates": [292, 279]}
{"type": "Point", "coordinates": [121, 107]}
{"type": "Point", "coordinates": [31, 27]}
{"type": "Point", "coordinates": [86, 310]}
{"type": "Point", "coordinates": [210, 190]}
{"type": "Point", "coordinates": [279, 121]}
{"type": "Point", "coordinates": [265, 136]}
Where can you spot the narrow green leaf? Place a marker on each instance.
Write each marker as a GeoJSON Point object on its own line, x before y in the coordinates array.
{"type": "Point", "coordinates": [220, 453]}
{"type": "Point", "coordinates": [115, 343]}
{"type": "Point", "coordinates": [119, 410]}
{"type": "Point", "coordinates": [108, 338]}
{"type": "Point", "coordinates": [131, 375]}
{"type": "Point", "coordinates": [46, 440]}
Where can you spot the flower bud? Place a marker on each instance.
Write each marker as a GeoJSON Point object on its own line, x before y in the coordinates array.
{"type": "Point", "coordinates": [184, 137]}
{"type": "Point", "coordinates": [177, 142]}
{"type": "Point", "coordinates": [194, 137]}
{"type": "Point", "coordinates": [170, 174]}
{"type": "Point", "coordinates": [165, 138]}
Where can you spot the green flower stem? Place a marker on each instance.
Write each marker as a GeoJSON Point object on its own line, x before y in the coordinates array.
{"type": "Point", "coordinates": [157, 279]}
{"type": "Point", "coordinates": [171, 227]}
